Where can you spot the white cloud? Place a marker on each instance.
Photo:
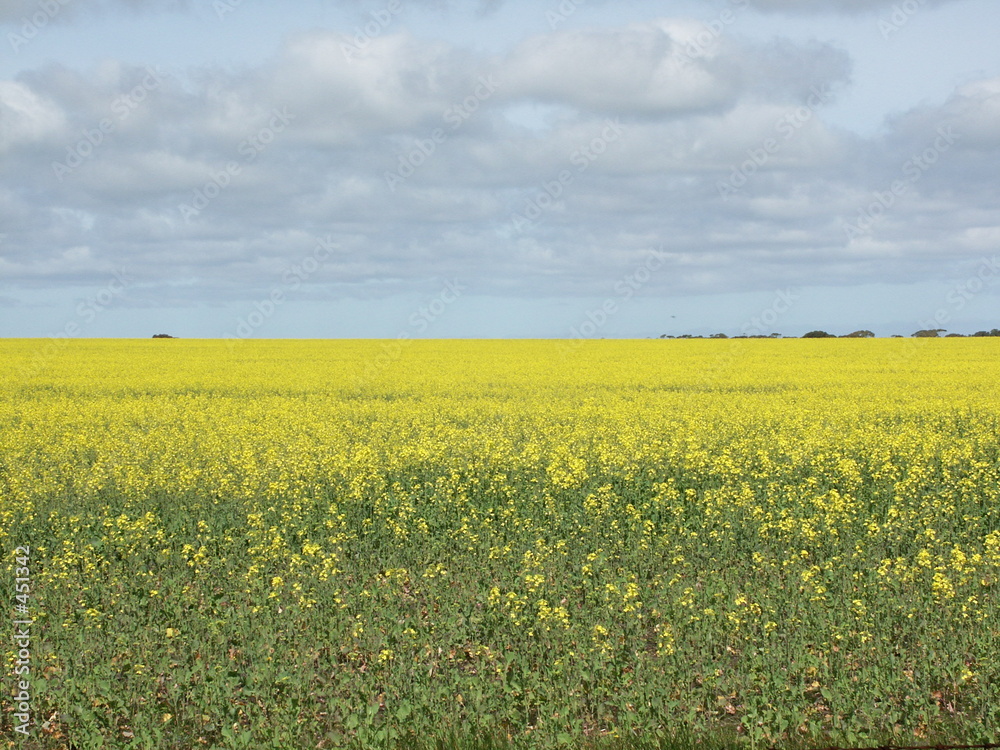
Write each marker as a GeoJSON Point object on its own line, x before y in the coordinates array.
{"type": "Point", "coordinates": [643, 69]}
{"type": "Point", "coordinates": [26, 117]}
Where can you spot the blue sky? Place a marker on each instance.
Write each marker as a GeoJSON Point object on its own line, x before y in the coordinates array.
{"type": "Point", "coordinates": [498, 169]}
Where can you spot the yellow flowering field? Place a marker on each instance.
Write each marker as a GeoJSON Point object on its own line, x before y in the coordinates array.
{"type": "Point", "coordinates": [335, 543]}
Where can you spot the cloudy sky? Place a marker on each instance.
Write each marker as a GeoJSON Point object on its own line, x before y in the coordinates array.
{"type": "Point", "coordinates": [490, 168]}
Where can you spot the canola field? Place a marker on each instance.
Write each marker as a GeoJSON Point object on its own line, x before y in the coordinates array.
{"type": "Point", "coordinates": [319, 544]}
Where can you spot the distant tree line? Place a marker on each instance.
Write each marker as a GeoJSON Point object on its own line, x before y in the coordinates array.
{"type": "Point", "coordinates": [927, 333]}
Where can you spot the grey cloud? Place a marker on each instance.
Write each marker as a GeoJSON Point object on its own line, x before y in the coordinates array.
{"type": "Point", "coordinates": [973, 111]}
{"type": "Point", "coordinates": [341, 91]}
{"type": "Point", "coordinates": [19, 12]}
{"type": "Point", "coordinates": [833, 6]}
{"type": "Point", "coordinates": [355, 118]}
{"type": "Point", "coordinates": [662, 68]}
{"type": "Point", "coordinates": [797, 7]}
